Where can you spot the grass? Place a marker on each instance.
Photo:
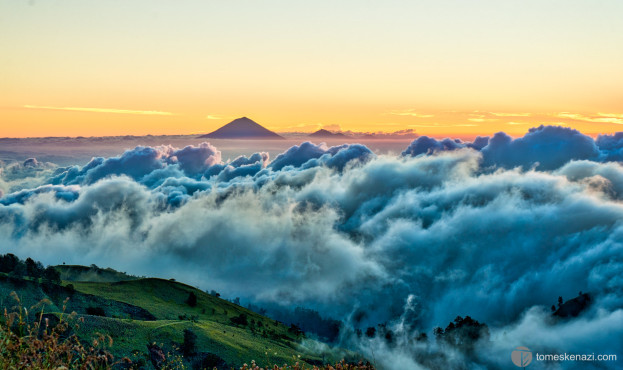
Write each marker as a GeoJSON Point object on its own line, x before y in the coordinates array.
{"type": "Point", "coordinates": [234, 345]}
{"type": "Point", "coordinates": [126, 304]}
{"type": "Point", "coordinates": [91, 273]}
{"type": "Point", "coordinates": [31, 292]}
{"type": "Point", "coordinates": [26, 344]}
{"type": "Point", "coordinates": [166, 300]}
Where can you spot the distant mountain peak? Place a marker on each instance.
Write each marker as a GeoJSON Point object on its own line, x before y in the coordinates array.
{"type": "Point", "coordinates": [242, 128]}
{"type": "Point", "coordinates": [322, 133]}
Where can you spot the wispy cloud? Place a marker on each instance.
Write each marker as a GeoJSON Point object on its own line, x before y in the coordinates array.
{"type": "Point", "coordinates": [437, 125]}
{"type": "Point", "coordinates": [497, 114]}
{"type": "Point", "coordinates": [433, 125]}
{"type": "Point", "coordinates": [599, 118]}
{"type": "Point", "coordinates": [615, 115]}
{"type": "Point", "coordinates": [102, 110]}
{"type": "Point", "coordinates": [618, 121]}
{"type": "Point", "coordinates": [213, 116]}
{"type": "Point", "coordinates": [410, 113]}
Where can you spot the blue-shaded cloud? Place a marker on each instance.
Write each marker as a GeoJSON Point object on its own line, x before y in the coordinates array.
{"type": "Point", "coordinates": [311, 155]}
{"type": "Point", "coordinates": [66, 193]}
{"type": "Point", "coordinates": [544, 148]}
{"type": "Point", "coordinates": [429, 145]}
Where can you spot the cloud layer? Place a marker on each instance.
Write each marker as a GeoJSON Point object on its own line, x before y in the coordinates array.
{"type": "Point", "coordinates": [496, 229]}
{"type": "Point", "coordinates": [544, 148]}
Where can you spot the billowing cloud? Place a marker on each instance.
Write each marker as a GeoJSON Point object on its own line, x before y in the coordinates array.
{"type": "Point", "coordinates": [409, 241]}
{"type": "Point", "coordinates": [547, 147]}
{"type": "Point", "coordinates": [30, 173]}
{"type": "Point", "coordinates": [311, 155]}
{"type": "Point", "coordinates": [428, 145]}
{"type": "Point", "coordinates": [544, 148]}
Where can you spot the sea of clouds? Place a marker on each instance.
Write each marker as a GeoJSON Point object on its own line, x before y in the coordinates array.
{"type": "Point", "coordinates": [496, 229]}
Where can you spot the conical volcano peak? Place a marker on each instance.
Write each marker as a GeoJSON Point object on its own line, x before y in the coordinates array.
{"type": "Point", "coordinates": [242, 128]}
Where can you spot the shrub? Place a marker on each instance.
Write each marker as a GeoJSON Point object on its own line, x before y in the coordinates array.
{"type": "Point", "coordinates": [96, 311]}
{"type": "Point", "coordinates": [240, 320]}
{"type": "Point", "coordinates": [189, 347]}
{"type": "Point", "coordinates": [41, 345]}
{"type": "Point", "coordinates": [192, 299]}
{"type": "Point", "coordinates": [52, 275]}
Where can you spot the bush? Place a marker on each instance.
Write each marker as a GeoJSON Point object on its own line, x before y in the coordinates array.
{"type": "Point", "coordinates": [51, 275]}
{"type": "Point", "coordinates": [192, 299]}
{"type": "Point", "coordinates": [42, 345]}
{"type": "Point", "coordinates": [240, 320]}
{"type": "Point", "coordinates": [96, 311]}
{"type": "Point", "coordinates": [189, 347]}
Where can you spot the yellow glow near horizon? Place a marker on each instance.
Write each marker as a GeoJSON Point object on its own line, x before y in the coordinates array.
{"type": "Point", "coordinates": [69, 121]}
{"type": "Point", "coordinates": [446, 68]}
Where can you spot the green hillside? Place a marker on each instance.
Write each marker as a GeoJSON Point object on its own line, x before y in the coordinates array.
{"type": "Point", "coordinates": [92, 273]}
{"type": "Point", "coordinates": [135, 312]}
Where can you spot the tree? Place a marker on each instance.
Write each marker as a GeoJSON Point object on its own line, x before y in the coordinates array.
{"type": "Point", "coordinates": [189, 347]}
{"type": "Point", "coordinates": [8, 262]}
{"type": "Point", "coordinates": [370, 332]}
{"type": "Point", "coordinates": [192, 299]}
{"type": "Point", "coordinates": [19, 270]}
{"type": "Point", "coordinates": [389, 336]}
{"type": "Point", "coordinates": [553, 308]}
{"type": "Point", "coordinates": [240, 320]}
{"type": "Point", "coordinates": [463, 333]}
{"type": "Point", "coordinates": [33, 269]}
{"type": "Point", "coordinates": [295, 329]}
{"type": "Point", "coordinates": [52, 275]}
{"type": "Point", "coordinates": [559, 301]}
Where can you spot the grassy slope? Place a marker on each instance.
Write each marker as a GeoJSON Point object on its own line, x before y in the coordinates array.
{"type": "Point", "coordinates": [234, 345]}
{"type": "Point", "coordinates": [166, 300]}
{"type": "Point", "coordinates": [263, 339]}
{"type": "Point", "coordinates": [30, 293]}
{"type": "Point", "coordinates": [91, 273]}
{"type": "Point", "coordinates": [216, 334]}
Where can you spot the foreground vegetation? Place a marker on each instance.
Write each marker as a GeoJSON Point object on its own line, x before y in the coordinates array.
{"type": "Point", "coordinates": [122, 321]}
{"type": "Point", "coordinates": [43, 345]}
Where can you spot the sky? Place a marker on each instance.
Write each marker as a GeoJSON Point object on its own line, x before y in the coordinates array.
{"type": "Point", "coordinates": [441, 68]}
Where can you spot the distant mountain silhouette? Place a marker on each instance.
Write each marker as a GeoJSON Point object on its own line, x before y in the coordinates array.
{"type": "Point", "coordinates": [242, 128]}
{"type": "Point", "coordinates": [574, 307]}
{"type": "Point", "coordinates": [322, 133]}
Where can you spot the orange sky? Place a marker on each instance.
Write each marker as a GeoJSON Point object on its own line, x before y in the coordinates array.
{"type": "Point", "coordinates": [88, 68]}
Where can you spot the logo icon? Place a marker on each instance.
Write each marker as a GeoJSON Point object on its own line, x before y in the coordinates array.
{"type": "Point", "coordinates": [521, 356]}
